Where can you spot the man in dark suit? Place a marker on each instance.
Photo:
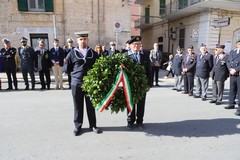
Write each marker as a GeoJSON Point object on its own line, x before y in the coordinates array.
{"type": "Point", "coordinates": [67, 49]}
{"type": "Point", "coordinates": [43, 64]}
{"type": "Point", "coordinates": [189, 68]}
{"type": "Point", "coordinates": [203, 69]}
{"type": "Point", "coordinates": [137, 113]}
{"type": "Point", "coordinates": [79, 61]}
{"type": "Point", "coordinates": [8, 55]}
{"type": "Point", "coordinates": [112, 49]}
{"type": "Point", "coordinates": [28, 60]}
{"type": "Point", "coordinates": [220, 74]}
{"type": "Point", "coordinates": [177, 69]}
{"type": "Point", "coordinates": [57, 58]}
{"type": "Point", "coordinates": [155, 57]}
{"type": "Point", "coordinates": [233, 64]}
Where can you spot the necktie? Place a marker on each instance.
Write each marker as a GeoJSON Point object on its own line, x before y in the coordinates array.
{"type": "Point", "coordinates": [217, 58]}
{"type": "Point", "coordinates": [135, 56]}
{"type": "Point", "coordinates": [188, 56]}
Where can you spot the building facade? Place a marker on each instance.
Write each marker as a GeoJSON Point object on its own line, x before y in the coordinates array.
{"type": "Point", "coordinates": [106, 20]}
{"type": "Point", "coordinates": [182, 23]}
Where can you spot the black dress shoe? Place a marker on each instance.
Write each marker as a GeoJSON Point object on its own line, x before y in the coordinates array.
{"type": "Point", "coordinates": [174, 89]}
{"type": "Point", "coordinates": [130, 126]}
{"type": "Point", "coordinates": [96, 130]}
{"type": "Point", "coordinates": [196, 96]}
{"type": "Point", "coordinates": [77, 132]}
{"type": "Point", "coordinates": [184, 92]}
{"type": "Point", "coordinates": [229, 107]}
{"type": "Point", "coordinates": [27, 88]}
{"type": "Point", "coordinates": [213, 101]}
{"type": "Point", "coordinates": [204, 98]}
{"type": "Point", "coordinates": [218, 103]}
{"type": "Point", "coordinates": [237, 113]}
{"type": "Point", "coordinates": [10, 88]}
{"type": "Point", "coordinates": [179, 90]}
{"type": "Point", "coordinates": [190, 94]}
{"type": "Point", "coordinates": [140, 126]}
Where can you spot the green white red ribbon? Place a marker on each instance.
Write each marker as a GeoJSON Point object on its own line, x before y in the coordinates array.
{"type": "Point", "coordinates": [121, 77]}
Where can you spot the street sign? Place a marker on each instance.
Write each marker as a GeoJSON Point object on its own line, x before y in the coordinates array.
{"type": "Point", "coordinates": [117, 27]}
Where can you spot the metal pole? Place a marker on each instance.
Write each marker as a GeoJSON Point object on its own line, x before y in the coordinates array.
{"type": "Point", "coordinates": [116, 34]}
{"type": "Point", "coordinates": [54, 27]}
{"type": "Point", "coordinates": [98, 22]}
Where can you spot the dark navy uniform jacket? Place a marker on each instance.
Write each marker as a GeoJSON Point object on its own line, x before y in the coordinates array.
{"type": "Point", "coordinates": [234, 60]}
{"type": "Point", "coordinates": [79, 65]}
{"type": "Point", "coordinates": [220, 71]}
{"type": "Point", "coordinates": [57, 56]}
{"type": "Point", "coordinates": [144, 61]}
{"type": "Point", "coordinates": [177, 64]}
{"type": "Point", "coordinates": [8, 57]}
{"type": "Point", "coordinates": [204, 65]}
{"type": "Point", "coordinates": [189, 62]}
{"type": "Point", "coordinates": [45, 59]}
{"type": "Point", "coordinates": [28, 57]}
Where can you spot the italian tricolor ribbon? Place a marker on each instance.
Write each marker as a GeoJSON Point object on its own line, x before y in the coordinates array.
{"type": "Point", "coordinates": [121, 77]}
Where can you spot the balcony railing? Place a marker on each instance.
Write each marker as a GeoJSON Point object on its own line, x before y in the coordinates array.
{"type": "Point", "coordinates": [146, 21]}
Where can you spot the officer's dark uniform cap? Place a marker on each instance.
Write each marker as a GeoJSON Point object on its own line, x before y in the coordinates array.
{"type": "Point", "coordinates": [23, 39]}
{"type": "Point", "coordinates": [220, 46]}
{"type": "Point", "coordinates": [190, 47]}
{"type": "Point", "coordinates": [134, 39]}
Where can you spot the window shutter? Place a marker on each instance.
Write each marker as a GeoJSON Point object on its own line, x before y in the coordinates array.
{"type": "Point", "coordinates": [22, 5]}
{"type": "Point", "coordinates": [48, 5]}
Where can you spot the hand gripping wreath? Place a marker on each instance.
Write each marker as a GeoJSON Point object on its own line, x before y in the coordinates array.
{"type": "Point", "coordinates": [102, 83]}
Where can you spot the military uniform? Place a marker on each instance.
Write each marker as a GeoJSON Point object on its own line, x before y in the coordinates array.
{"type": "Point", "coordinates": [233, 62]}
{"type": "Point", "coordinates": [137, 113]}
{"type": "Point", "coordinates": [220, 74]}
{"type": "Point", "coordinates": [79, 63]}
{"type": "Point", "coordinates": [203, 68]}
{"type": "Point", "coordinates": [8, 56]}
{"type": "Point", "coordinates": [189, 68]}
{"type": "Point", "coordinates": [44, 64]}
{"type": "Point", "coordinates": [177, 70]}
{"type": "Point", "coordinates": [28, 60]}
{"type": "Point", "coordinates": [66, 52]}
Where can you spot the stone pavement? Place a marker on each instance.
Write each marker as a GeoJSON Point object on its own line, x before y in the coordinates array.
{"type": "Point", "coordinates": [38, 125]}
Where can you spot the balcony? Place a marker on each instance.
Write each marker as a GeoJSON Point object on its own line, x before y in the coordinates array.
{"type": "Point", "coordinates": [138, 2]}
{"type": "Point", "coordinates": [146, 22]}
{"type": "Point", "coordinates": [181, 8]}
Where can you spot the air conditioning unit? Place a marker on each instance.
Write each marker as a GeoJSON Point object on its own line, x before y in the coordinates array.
{"type": "Point", "coordinates": [173, 29]}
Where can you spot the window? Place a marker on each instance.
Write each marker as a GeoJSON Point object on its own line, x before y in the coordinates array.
{"type": "Point", "coordinates": [160, 43]}
{"type": "Point", "coordinates": [182, 37]}
{"type": "Point", "coordinates": [162, 7]}
{"type": "Point", "coordinates": [34, 38]}
{"type": "Point", "coordinates": [147, 15]}
{"type": "Point", "coordinates": [182, 4]}
{"type": "Point", "coordinates": [35, 5]}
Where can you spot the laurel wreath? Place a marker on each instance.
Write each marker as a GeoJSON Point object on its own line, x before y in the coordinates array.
{"type": "Point", "coordinates": [101, 77]}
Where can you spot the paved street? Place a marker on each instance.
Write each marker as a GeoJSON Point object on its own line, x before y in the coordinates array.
{"type": "Point", "coordinates": [38, 125]}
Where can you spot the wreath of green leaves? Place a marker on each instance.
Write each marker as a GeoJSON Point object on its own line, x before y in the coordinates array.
{"type": "Point", "coordinates": [99, 81]}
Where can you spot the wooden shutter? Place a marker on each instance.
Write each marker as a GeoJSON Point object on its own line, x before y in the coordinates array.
{"type": "Point", "coordinates": [22, 5]}
{"type": "Point", "coordinates": [48, 5]}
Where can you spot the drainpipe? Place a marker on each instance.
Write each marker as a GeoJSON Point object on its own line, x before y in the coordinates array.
{"type": "Point", "coordinates": [104, 26]}
{"type": "Point", "coordinates": [63, 21]}
{"type": "Point", "coordinates": [98, 22]}
{"type": "Point", "coordinates": [54, 26]}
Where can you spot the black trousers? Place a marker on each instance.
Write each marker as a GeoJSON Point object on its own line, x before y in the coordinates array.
{"type": "Point", "coordinates": [12, 77]}
{"type": "Point", "coordinates": [25, 76]}
{"type": "Point", "coordinates": [45, 73]}
{"type": "Point", "coordinates": [154, 73]}
{"type": "Point", "coordinates": [69, 79]}
{"type": "Point", "coordinates": [78, 97]}
{"type": "Point", "coordinates": [188, 83]}
{"type": "Point", "coordinates": [234, 90]}
{"type": "Point", "coordinates": [137, 112]}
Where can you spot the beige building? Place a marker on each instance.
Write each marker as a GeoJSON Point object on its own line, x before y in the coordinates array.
{"type": "Point", "coordinates": [182, 23]}
{"type": "Point", "coordinates": [106, 20]}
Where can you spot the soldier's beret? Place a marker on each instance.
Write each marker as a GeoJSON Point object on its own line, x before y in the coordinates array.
{"type": "Point", "coordinates": [238, 41]}
{"type": "Point", "coordinates": [5, 40]}
{"type": "Point", "coordinates": [127, 42]}
{"type": "Point", "coordinates": [220, 46]}
{"type": "Point", "coordinates": [81, 34]}
{"type": "Point", "coordinates": [70, 40]}
{"type": "Point", "coordinates": [23, 39]}
{"type": "Point", "coordinates": [178, 48]}
{"type": "Point", "coordinates": [135, 39]}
